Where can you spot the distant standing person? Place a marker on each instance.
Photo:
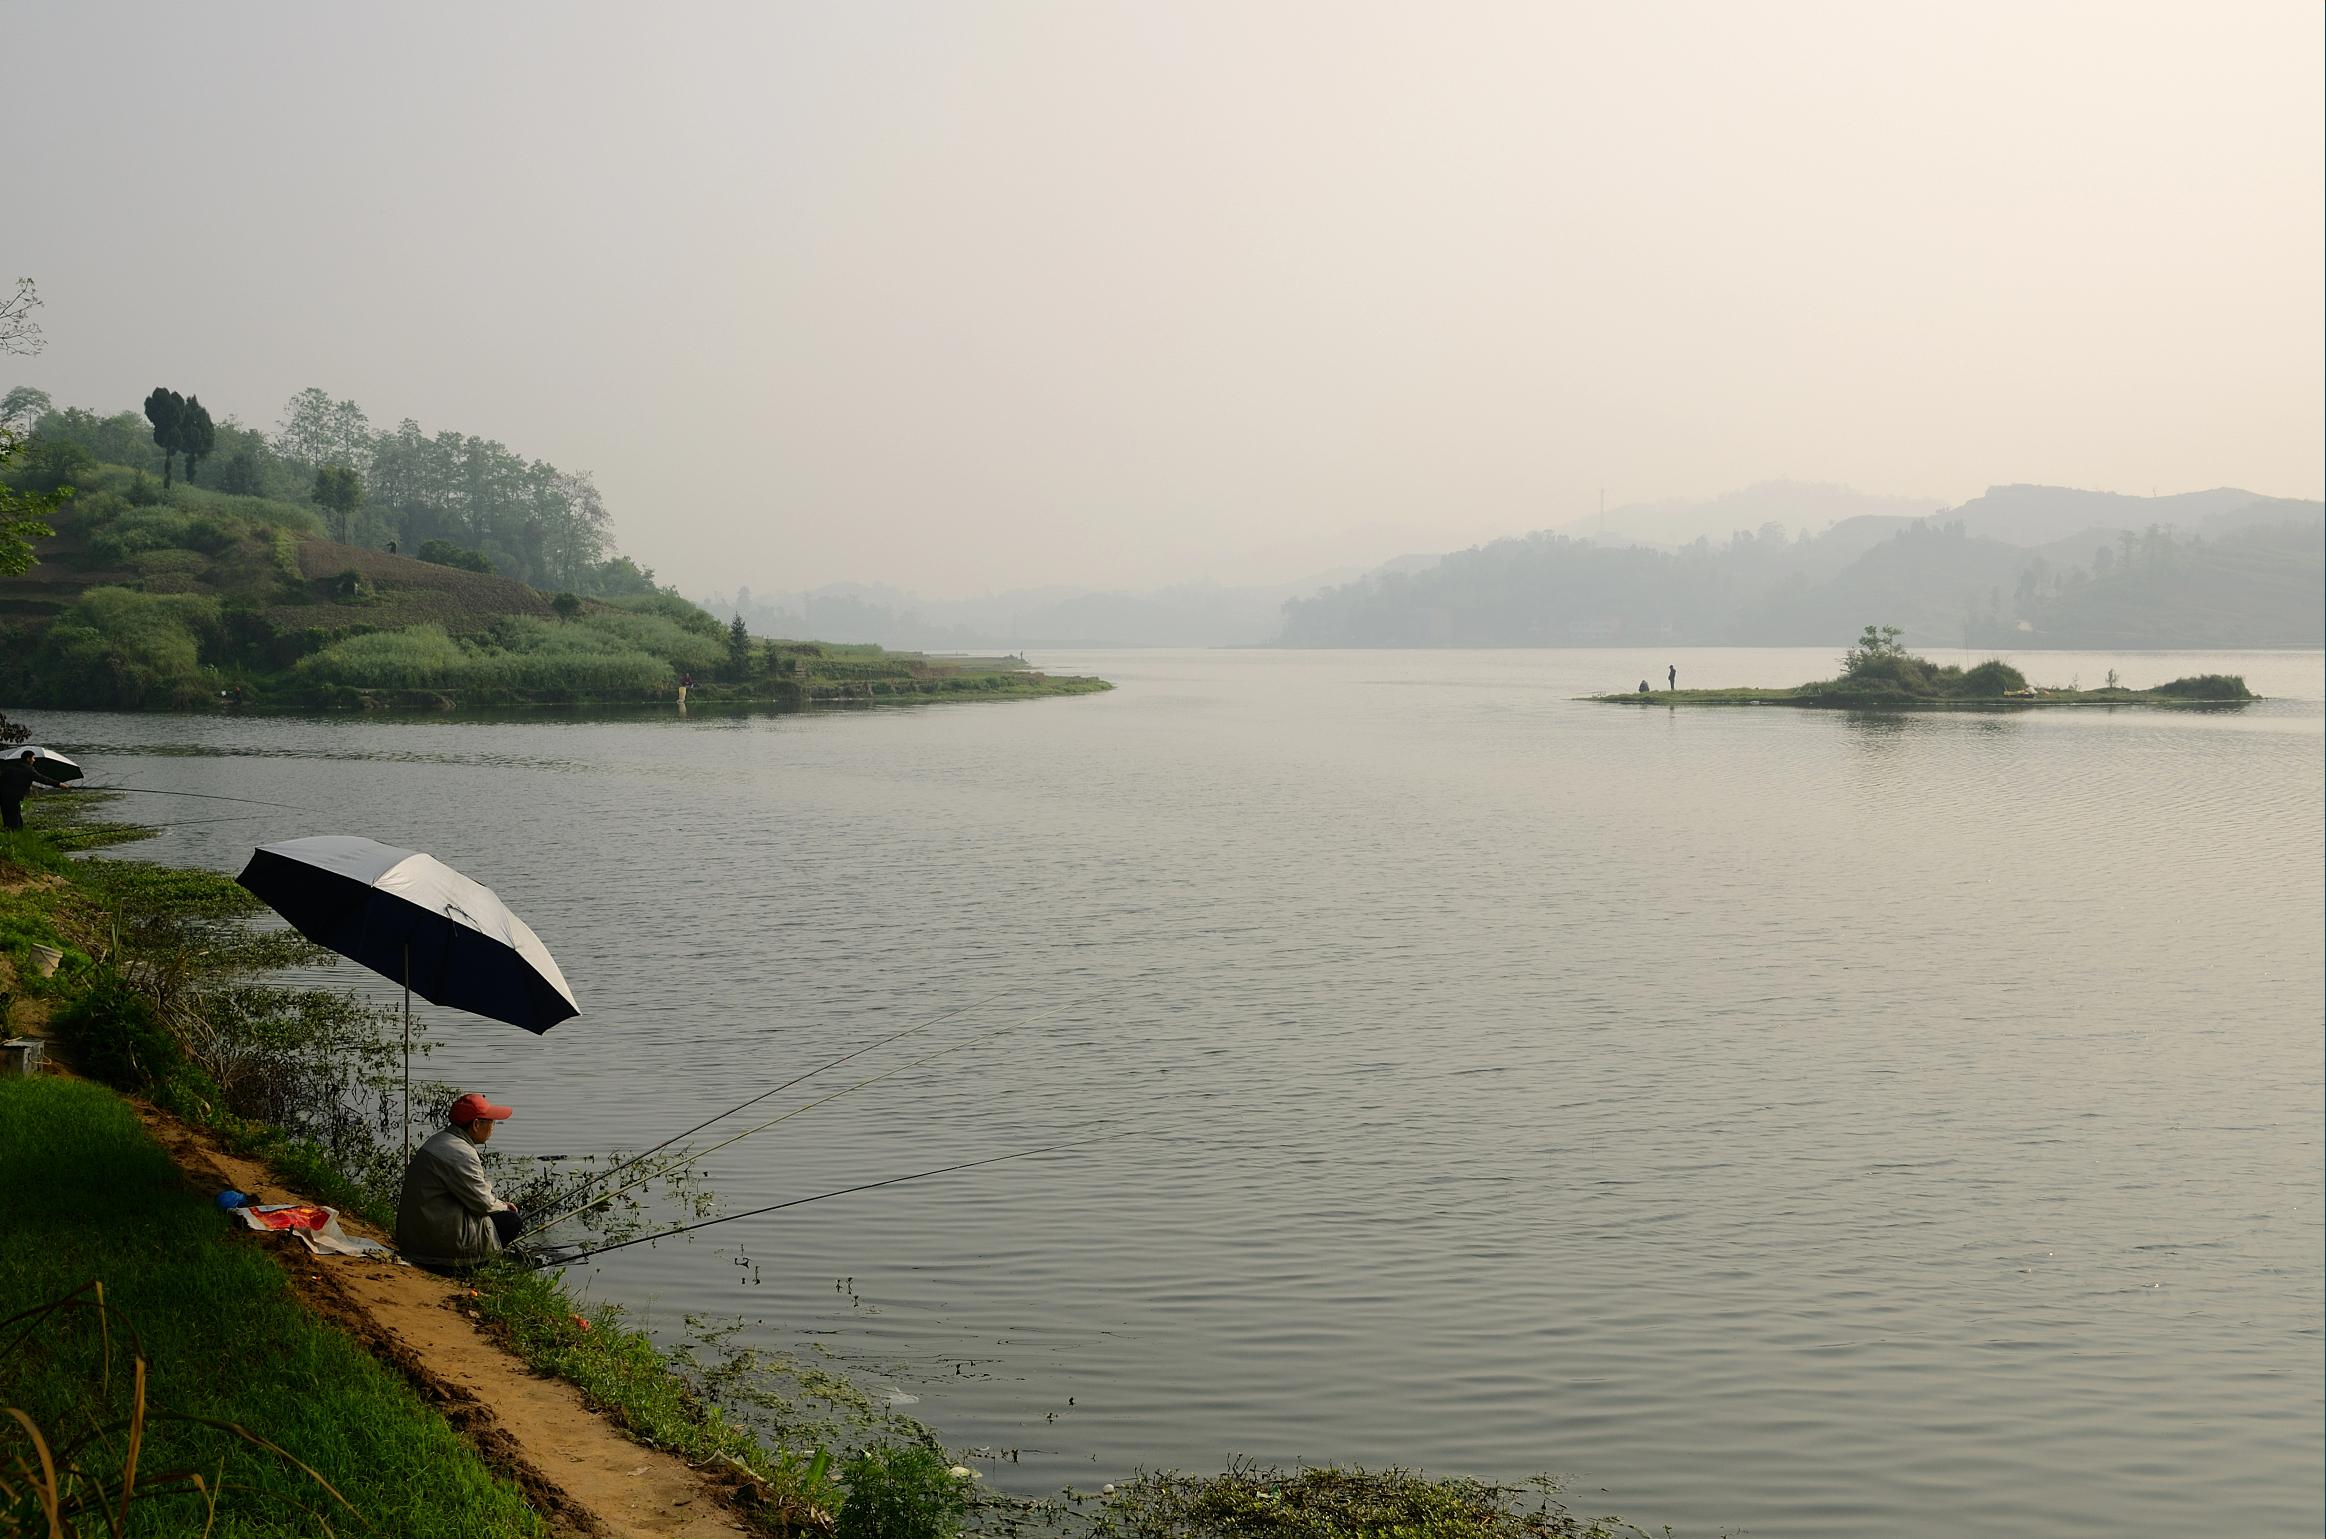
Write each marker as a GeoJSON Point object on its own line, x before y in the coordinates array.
{"type": "Point", "coordinates": [17, 777]}
{"type": "Point", "coordinates": [1672, 676]}
{"type": "Point", "coordinates": [686, 681]}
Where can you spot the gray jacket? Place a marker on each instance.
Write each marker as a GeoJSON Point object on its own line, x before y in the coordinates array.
{"type": "Point", "coordinates": [440, 1220]}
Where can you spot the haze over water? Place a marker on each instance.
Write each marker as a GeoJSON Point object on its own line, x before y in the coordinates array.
{"type": "Point", "coordinates": [1786, 1122]}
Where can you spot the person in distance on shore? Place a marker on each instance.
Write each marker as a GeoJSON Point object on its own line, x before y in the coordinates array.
{"type": "Point", "coordinates": [1672, 676]}
{"type": "Point", "coordinates": [448, 1219]}
{"type": "Point", "coordinates": [17, 777]}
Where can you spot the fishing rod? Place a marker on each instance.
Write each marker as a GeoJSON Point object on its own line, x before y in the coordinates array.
{"type": "Point", "coordinates": [551, 1222]}
{"type": "Point", "coordinates": [560, 1217]}
{"type": "Point", "coordinates": [207, 796]}
{"type": "Point", "coordinates": [612, 1170]}
{"type": "Point", "coordinates": [564, 1257]}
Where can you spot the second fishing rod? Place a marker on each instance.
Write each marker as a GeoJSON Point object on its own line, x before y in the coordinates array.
{"type": "Point", "coordinates": [568, 1197]}
{"type": "Point", "coordinates": [562, 1255]}
{"type": "Point", "coordinates": [559, 1213]}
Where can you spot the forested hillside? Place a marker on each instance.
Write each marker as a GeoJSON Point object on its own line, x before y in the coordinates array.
{"type": "Point", "coordinates": [190, 562]}
{"type": "Point", "coordinates": [403, 486]}
{"type": "Point", "coordinates": [2251, 574]}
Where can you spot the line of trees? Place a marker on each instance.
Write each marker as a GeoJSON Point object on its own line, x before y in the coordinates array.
{"type": "Point", "coordinates": [181, 425]}
{"type": "Point", "coordinates": [402, 486]}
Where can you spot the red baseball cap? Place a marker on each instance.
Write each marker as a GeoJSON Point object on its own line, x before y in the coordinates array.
{"type": "Point", "coordinates": [472, 1106]}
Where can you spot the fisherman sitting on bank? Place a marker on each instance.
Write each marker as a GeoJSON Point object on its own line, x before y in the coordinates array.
{"type": "Point", "coordinates": [448, 1219]}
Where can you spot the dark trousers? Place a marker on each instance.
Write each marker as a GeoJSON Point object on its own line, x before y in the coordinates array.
{"type": "Point", "coordinates": [505, 1225]}
{"type": "Point", "coordinates": [11, 814]}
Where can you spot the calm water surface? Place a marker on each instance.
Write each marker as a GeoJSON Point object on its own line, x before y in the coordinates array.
{"type": "Point", "coordinates": [1779, 1122]}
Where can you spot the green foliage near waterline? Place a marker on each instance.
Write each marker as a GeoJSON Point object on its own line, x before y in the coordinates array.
{"type": "Point", "coordinates": [222, 1338]}
{"type": "Point", "coordinates": [164, 991]}
{"type": "Point", "coordinates": [519, 656]}
{"type": "Point", "coordinates": [1880, 665]}
{"type": "Point", "coordinates": [2206, 686]}
{"type": "Point", "coordinates": [901, 1492]}
{"type": "Point", "coordinates": [1329, 1502]}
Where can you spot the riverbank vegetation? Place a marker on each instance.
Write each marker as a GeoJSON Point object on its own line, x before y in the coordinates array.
{"type": "Point", "coordinates": [330, 567]}
{"type": "Point", "coordinates": [157, 987]}
{"type": "Point", "coordinates": [1878, 672]}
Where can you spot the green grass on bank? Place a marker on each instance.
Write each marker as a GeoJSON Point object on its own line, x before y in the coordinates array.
{"type": "Point", "coordinates": [628, 1379]}
{"type": "Point", "coordinates": [93, 1197]}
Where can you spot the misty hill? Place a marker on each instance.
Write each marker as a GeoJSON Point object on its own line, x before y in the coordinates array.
{"type": "Point", "coordinates": [2042, 515]}
{"type": "Point", "coordinates": [2245, 571]}
{"type": "Point", "coordinates": [1797, 508]}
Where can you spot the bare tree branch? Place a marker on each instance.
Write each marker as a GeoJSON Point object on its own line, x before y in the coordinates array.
{"type": "Point", "coordinates": [19, 333]}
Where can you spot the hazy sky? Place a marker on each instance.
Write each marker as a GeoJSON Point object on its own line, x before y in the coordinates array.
{"type": "Point", "coordinates": [964, 296]}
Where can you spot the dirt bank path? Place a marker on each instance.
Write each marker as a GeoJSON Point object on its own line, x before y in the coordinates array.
{"type": "Point", "coordinates": [584, 1475]}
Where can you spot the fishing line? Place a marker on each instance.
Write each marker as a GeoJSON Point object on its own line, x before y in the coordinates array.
{"type": "Point", "coordinates": [808, 1107]}
{"type": "Point", "coordinates": [564, 1257]}
{"type": "Point", "coordinates": [612, 1170]}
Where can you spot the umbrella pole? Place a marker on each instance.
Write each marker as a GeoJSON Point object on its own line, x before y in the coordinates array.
{"type": "Point", "coordinates": [407, 1052]}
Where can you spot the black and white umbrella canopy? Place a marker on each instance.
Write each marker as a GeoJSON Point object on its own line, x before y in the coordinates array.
{"type": "Point", "coordinates": [412, 918]}
{"type": "Point", "coordinates": [48, 762]}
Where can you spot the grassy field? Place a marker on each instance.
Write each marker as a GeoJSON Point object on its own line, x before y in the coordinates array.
{"type": "Point", "coordinates": [222, 1337]}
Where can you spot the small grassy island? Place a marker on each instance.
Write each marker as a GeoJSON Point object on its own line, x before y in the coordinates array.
{"type": "Point", "coordinates": [1880, 674]}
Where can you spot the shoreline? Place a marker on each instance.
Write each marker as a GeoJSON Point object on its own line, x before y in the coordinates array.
{"type": "Point", "coordinates": [717, 1452]}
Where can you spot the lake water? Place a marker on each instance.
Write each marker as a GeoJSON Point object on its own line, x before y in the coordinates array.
{"type": "Point", "coordinates": [1777, 1122]}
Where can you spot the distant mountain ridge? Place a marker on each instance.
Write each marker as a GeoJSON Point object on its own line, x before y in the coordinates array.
{"type": "Point", "coordinates": [2025, 566]}
{"type": "Point", "coordinates": [2040, 515]}
{"type": "Point", "coordinates": [1798, 507]}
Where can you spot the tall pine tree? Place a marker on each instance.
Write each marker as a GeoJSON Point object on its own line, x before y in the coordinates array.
{"type": "Point", "coordinates": [166, 410]}
{"type": "Point", "coordinates": [197, 435]}
{"type": "Point", "coordinates": [739, 649]}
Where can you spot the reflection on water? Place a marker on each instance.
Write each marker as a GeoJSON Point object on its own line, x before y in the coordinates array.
{"type": "Point", "coordinates": [1784, 1121]}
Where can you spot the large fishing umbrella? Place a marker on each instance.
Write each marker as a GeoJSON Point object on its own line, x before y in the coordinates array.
{"type": "Point", "coordinates": [411, 917]}
{"type": "Point", "coordinates": [47, 761]}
